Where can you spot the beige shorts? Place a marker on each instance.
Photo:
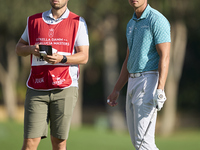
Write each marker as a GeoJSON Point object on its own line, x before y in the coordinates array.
{"type": "Point", "coordinates": [42, 107]}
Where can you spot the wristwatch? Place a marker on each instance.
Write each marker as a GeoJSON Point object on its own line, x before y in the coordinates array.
{"type": "Point", "coordinates": [64, 60]}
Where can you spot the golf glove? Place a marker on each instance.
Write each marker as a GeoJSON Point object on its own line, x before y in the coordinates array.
{"type": "Point", "coordinates": [159, 99]}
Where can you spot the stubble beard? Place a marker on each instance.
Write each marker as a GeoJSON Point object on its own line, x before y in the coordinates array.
{"type": "Point", "coordinates": [58, 7]}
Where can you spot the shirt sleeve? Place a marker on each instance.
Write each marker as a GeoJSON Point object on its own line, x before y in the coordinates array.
{"type": "Point", "coordinates": [162, 30]}
{"type": "Point", "coordinates": [25, 34]}
{"type": "Point", "coordinates": [82, 37]}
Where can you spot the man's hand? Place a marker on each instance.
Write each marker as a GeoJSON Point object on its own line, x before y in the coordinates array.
{"type": "Point", "coordinates": [54, 59]}
{"type": "Point", "coordinates": [24, 49]}
{"type": "Point", "coordinates": [159, 99]}
{"type": "Point", "coordinates": [35, 50]}
{"type": "Point", "coordinates": [112, 98]}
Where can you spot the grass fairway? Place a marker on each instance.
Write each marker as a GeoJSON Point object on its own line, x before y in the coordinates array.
{"type": "Point", "coordinates": [88, 138]}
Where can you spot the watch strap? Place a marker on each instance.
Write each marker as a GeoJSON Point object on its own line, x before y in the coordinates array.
{"type": "Point", "coordinates": [64, 60]}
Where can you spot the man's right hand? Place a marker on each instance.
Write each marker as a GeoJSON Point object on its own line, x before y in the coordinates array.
{"type": "Point", "coordinates": [24, 49]}
{"type": "Point", "coordinates": [35, 50]}
{"type": "Point", "coordinates": [112, 98]}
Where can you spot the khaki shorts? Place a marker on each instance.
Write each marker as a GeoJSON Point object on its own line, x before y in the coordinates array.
{"type": "Point", "coordinates": [42, 107]}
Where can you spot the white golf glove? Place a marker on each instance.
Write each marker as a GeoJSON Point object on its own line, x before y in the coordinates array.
{"type": "Point", "coordinates": [159, 99]}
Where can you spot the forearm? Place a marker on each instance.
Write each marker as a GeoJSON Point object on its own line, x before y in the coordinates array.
{"type": "Point", "coordinates": [124, 74]}
{"type": "Point", "coordinates": [78, 58]}
{"type": "Point", "coordinates": [24, 49]}
{"type": "Point", "coordinates": [123, 78]}
{"type": "Point", "coordinates": [163, 50]}
{"type": "Point", "coordinates": [163, 71]}
{"type": "Point", "coordinates": [81, 57]}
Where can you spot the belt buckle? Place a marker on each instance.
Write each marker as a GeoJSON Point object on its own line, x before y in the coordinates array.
{"type": "Point", "coordinates": [137, 75]}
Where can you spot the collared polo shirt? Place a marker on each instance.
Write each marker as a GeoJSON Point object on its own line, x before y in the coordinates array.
{"type": "Point", "coordinates": [143, 35]}
{"type": "Point", "coordinates": [82, 38]}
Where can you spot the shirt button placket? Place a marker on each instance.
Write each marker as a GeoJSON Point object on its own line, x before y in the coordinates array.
{"type": "Point", "coordinates": [136, 24]}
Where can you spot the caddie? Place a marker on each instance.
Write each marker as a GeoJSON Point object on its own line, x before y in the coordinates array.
{"type": "Point", "coordinates": [53, 81]}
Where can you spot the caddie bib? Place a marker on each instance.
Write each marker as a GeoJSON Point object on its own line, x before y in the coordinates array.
{"type": "Point", "coordinates": [61, 36]}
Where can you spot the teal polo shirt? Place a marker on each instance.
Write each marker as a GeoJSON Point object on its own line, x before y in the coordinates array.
{"type": "Point", "coordinates": [143, 35]}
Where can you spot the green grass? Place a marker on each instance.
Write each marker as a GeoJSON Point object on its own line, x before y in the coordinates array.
{"type": "Point", "coordinates": [187, 139]}
{"type": "Point", "coordinates": [89, 138]}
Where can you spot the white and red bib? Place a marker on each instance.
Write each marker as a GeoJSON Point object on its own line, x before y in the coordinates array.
{"type": "Point", "coordinates": [61, 36]}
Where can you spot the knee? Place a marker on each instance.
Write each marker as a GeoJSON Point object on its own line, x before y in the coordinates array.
{"type": "Point", "coordinates": [31, 144]}
{"type": "Point", "coordinates": [58, 144]}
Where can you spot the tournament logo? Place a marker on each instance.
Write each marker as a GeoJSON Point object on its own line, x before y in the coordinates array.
{"type": "Point", "coordinates": [51, 33]}
{"type": "Point", "coordinates": [57, 80]}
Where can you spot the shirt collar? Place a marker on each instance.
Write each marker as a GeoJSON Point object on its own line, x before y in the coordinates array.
{"type": "Point", "coordinates": [50, 15]}
{"type": "Point", "coordinates": [144, 14]}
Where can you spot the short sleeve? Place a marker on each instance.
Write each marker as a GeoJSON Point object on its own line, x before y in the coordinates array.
{"type": "Point", "coordinates": [161, 30]}
{"type": "Point", "coordinates": [25, 34]}
{"type": "Point", "coordinates": [82, 37]}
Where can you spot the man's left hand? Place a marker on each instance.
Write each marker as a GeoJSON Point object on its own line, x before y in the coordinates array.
{"type": "Point", "coordinates": [159, 99]}
{"type": "Point", "coordinates": [54, 59]}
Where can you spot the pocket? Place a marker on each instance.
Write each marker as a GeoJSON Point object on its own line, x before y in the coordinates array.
{"type": "Point", "coordinates": [137, 91]}
{"type": "Point", "coordinates": [70, 100]}
{"type": "Point", "coordinates": [38, 78]}
{"type": "Point", "coordinates": [152, 80]}
{"type": "Point", "coordinates": [129, 87]}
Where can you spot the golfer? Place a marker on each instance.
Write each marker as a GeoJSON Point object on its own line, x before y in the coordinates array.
{"type": "Point", "coordinates": [53, 81]}
{"type": "Point", "coordinates": [145, 68]}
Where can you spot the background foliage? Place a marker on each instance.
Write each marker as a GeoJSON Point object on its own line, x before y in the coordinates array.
{"type": "Point", "coordinates": [13, 22]}
{"type": "Point", "coordinates": [13, 19]}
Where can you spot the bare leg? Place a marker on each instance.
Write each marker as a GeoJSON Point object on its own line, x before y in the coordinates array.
{"type": "Point", "coordinates": [58, 144]}
{"type": "Point", "coordinates": [31, 144]}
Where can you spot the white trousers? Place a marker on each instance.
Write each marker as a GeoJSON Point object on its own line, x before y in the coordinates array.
{"type": "Point", "coordinates": [139, 109]}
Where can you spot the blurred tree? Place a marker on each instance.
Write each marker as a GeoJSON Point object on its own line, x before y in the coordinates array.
{"type": "Point", "coordinates": [13, 22]}
{"type": "Point", "coordinates": [105, 20]}
{"type": "Point", "coordinates": [8, 80]}
{"type": "Point", "coordinates": [9, 62]}
{"type": "Point", "coordinates": [189, 95]}
{"type": "Point", "coordinates": [177, 54]}
{"type": "Point", "coordinates": [175, 12]}
{"type": "Point", "coordinates": [111, 69]}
